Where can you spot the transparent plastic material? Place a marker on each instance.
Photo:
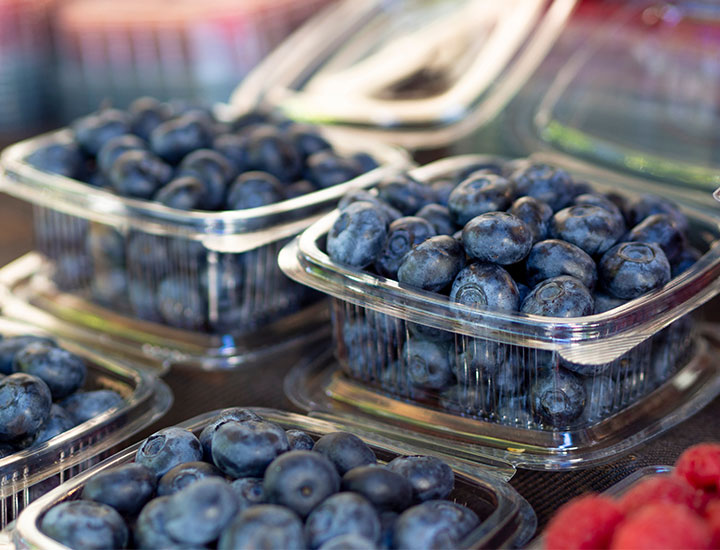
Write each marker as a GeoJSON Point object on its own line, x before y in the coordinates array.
{"type": "Point", "coordinates": [507, 520]}
{"type": "Point", "coordinates": [416, 73]}
{"type": "Point", "coordinates": [640, 95]}
{"type": "Point", "coordinates": [149, 273]}
{"type": "Point", "coordinates": [636, 363]}
{"type": "Point", "coordinates": [30, 473]}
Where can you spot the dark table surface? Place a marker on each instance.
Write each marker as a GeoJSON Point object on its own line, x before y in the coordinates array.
{"type": "Point", "coordinates": [259, 385]}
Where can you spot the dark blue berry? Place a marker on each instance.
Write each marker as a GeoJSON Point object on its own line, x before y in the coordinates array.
{"type": "Point", "coordinates": [234, 148]}
{"type": "Point", "coordinates": [249, 491]}
{"type": "Point", "coordinates": [298, 189]}
{"type": "Point", "coordinates": [348, 542]}
{"type": "Point", "coordinates": [342, 514]}
{"type": "Point", "coordinates": [149, 530]}
{"type": "Point", "coordinates": [440, 218]}
{"type": "Point", "coordinates": [385, 489]}
{"type": "Point", "coordinates": [254, 189]}
{"type": "Point", "coordinates": [57, 158]}
{"type": "Point", "coordinates": [497, 237]}
{"type": "Point", "coordinates": [403, 234]}
{"type": "Point", "coordinates": [365, 162]}
{"type": "Point", "coordinates": [597, 199]}
{"type": "Point", "coordinates": [57, 422]}
{"type": "Point", "coordinates": [165, 449]}
{"type": "Point", "coordinates": [9, 347]}
{"type": "Point", "coordinates": [478, 194]}
{"type": "Point", "coordinates": [265, 526]}
{"type": "Point", "coordinates": [236, 414]}
{"type": "Point", "coordinates": [433, 264]}
{"type": "Point", "coordinates": [553, 258]}
{"type": "Point", "coordinates": [361, 195]}
{"type": "Point", "coordinates": [592, 228]}
{"type": "Point", "coordinates": [95, 130]}
{"type": "Point", "coordinates": [629, 270]}
{"type": "Point", "coordinates": [183, 475]}
{"type": "Point", "coordinates": [139, 174]}
{"type": "Point", "coordinates": [307, 140]}
{"type": "Point", "coordinates": [326, 168]}
{"type": "Point", "coordinates": [299, 440]}
{"type": "Point", "coordinates": [685, 260]}
{"type": "Point", "coordinates": [345, 451]}
{"type": "Point", "coordinates": [358, 234]}
{"type": "Point", "coordinates": [245, 449]}
{"type": "Point", "coordinates": [174, 139]}
{"type": "Point", "coordinates": [545, 183]}
{"type": "Point", "coordinates": [146, 114]}
{"type": "Point", "coordinates": [270, 151]}
{"type": "Point", "coordinates": [116, 147]}
{"type": "Point", "coordinates": [127, 488]}
{"type": "Point", "coordinates": [429, 477]}
{"type": "Point", "coordinates": [427, 363]}
{"type": "Point", "coordinates": [662, 230]}
{"type": "Point", "coordinates": [441, 190]}
{"type": "Point", "coordinates": [605, 302]}
{"type": "Point", "coordinates": [183, 193]}
{"type": "Point", "coordinates": [558, 397]}
{"type": "Point", "coordinates": [62, 371]}
{"type": "Point", "coordinates": [405, 194]}
{"type": "Point", "coordinates": [536, 215]}
{"type": "Point", "coordinates": [85, 525]}
{"type": "Point", "coordinates": [24, 406]}
{"type": "Point", "coordinates": [562, 296]}
{"type": "Point", "coordinates": [485, 286]}
{"type": "Point", "coordinates": [639, 208]}
{"type": "Point", "coordinates": [434, 524]}
{"type": "Point", "coordinates": [180, 303]}
{"type": "Point", "coordinates": [213, 170]}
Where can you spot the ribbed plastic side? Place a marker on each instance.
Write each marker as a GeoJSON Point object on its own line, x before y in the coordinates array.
{"type": "Point", "coordinates": [496, 382]}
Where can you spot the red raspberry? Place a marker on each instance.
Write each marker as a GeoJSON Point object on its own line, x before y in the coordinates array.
{"type": "Point", "coordinates": [658, 489]}
{"type": "Point", "coordinates": [663, 526]}
{"type": "Point", "coordinates": [712, 515]}
{"type": "Point", "coordinates": [587, 522]}
{"type": "Point", "coordinates": [700, 466]}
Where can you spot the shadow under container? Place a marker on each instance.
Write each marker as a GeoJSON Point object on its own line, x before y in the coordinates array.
{"type": "Point", "coordinates": [474, 377]}
{"type": "Point", "coordinates": [507, 520]}
{"type": "Point", "coordinates": [28, 474]}
{"type": "Point", "coordinates": [169, 286]}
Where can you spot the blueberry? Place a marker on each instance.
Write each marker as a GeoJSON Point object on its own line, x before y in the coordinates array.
{"type": "Point", "coordinates": [358, 234]}
{"type": "Point", "coordinates": [109, 287]}
{"type": "Point", "coordinates": [146, 114]}
{"type": "Point", "coordinates": [434, 524]}
{"type": "Point", "coordinates": [497, 237]}
{"type": "Point", "coordinates": [84, 406]}
{"type": "Point", "coordinates": [427, 363]}
{"type": "Point", "coordinates": [345, 450]}
{"type": "Point", "coordinates": [629, 270]}
{"type": "Point", "coordinates": [597, 199]}
{"type": "Point", "coordinates": [25, 402]}
{"type": "Point", "coordinates": [639, 208]}
{"type": "Point", "coordinates": [387, 528]}
{"type": "Point", "coordinates": [199, 513]}
{"type": "Point", "coordinates": [592, 228]}
{"type": "Point", "coordinates": [245, 449]}
{"type": "Point", "coordinates": [174, 139]}
{"type": "Point", "coordinates": [57, 158]}
{"type": "Point", "coordinates": [385, 489]}
{"type": "Point", "coordinates": [433, 264]}
{"type": "Point", "coordinates": [148, 257]}
{"type": "Point", "coordinates": [478, 194]}
{"type": "Point", "coordinates": [249, 491]}
{"type": "Point", "coordinates": [234, 148]}
{"type": "Point", "coordinates": [183, 193]}
{"type": "Point", "coordinates": [299, 440]}
{"type": "Point", "coordinates": [403, 234]}
{"type": "Point", "coordinates": [553, 258]}
{"type": "Point", "coordinates": [365, 162]}
{"type": "Point", "coordinates": [429, 333]}
{"type": "Point", "coordinates": [550, 185]}
{"type": "Point", "coordinates": [441, 189]}
{"type": "Point", "coordinates": [237, 414]}
{"type": "Point", "coordinates": [270, 151]}
{"type": "Point", "coordinates": [105, 245]}
{"type": "Point", "coordinates": [361, 195]}
{"type": "Point", "coordinates": [535, 213]}
{"type": "Point", "coordinates": [149, 531]}
{"type": "Point", "coordinates": [348, 542]}
{"type": "Point", "coordinates": [662, 230]}
{"type": "Point", "coordinates": [139, 174]}
{"type": "Point", "coordinates": [300, 480]}
{"type": "Point", "coordinates": [254, 189]}
{"type": "Point", "coordinates": [342, 514]}
{"type": "Point", "coordinates": [307, 140]}
{"type": "Point", "coordinates": [601, 392]}
{"type": "Point", "coordinates": [143, 302]}
{"type": "Point", "coordinates": [685, 260]}
{"type": "Point", "coordinates": [558, 397]}
{"type": "Point", "coordinates": [62, 371]}
{"type": "Point", "coordinates": [183, 475]}
{"type": "Point", "coordinates": [429, 477]}
{"type": "Point", "coordinates": [115, 147]}
{"type": "Point", "coordinates": [83, 524]}
{"type": "Point", "coordinates": [9, 347]}
{"type": "Point", "coordinates": [562, 296]}
{"type": "Point", "coordinates": [213, 170]}
{"type": "Point", "coordinates": [605, 302]}
{"type": "Point", "coordinates": [57, 422]}
{"type": "Point", "coordinates": [72, 271]}
{"type": "Point", "coordinates": [405, 193]}
{"type": "Point", "coordinates": [265, 526]}
{"type": "Point", "coordinates": [165, 449]}
{"type": "Point", "coordinates": [180, 303]}
{"type": "Point", "coordinates": [485, 286]}
{"type": "Point", "coordinates": [127, 488]}
{"type": "Point", "coordinates": [298, 189]}
{"type": "Point", "coordinates": [439, 217]}
{"type": "Point", "coordinates": [95, 130]}
{"type": "Point", "coordinates": [326, 168]}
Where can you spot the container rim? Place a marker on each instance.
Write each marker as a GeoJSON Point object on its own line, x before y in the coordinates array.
{"type": "Point", "coordinates": [605, 335]}
{"type": "Point", "coordinates": [512, 512]}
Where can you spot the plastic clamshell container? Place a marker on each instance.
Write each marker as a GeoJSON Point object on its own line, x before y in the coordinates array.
{"type": "Point", "coordinates": [234, 302]}
{"type": "Point", "coordinates": [645, 365]}
{"type": "Point", "coordinates": [419, 74]}
{"type": "Point", "coordinates": [32, 472]}
{"type": "Point", "coordinates": [507, 520]}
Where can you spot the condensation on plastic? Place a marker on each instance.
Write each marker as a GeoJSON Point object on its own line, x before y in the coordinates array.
{"type": "Point", "coordinates": [383, 332]}
{"type": "Point", "coordinates": [173, 272]}
{"type": "Point", "coordinates": [421, 74]}
{"type": "Point", "coordinates": [507, 519]}
{"type": "Point", "coordinates": [30, 473]}
{"type": "Point", "coordinates": [118, 51]}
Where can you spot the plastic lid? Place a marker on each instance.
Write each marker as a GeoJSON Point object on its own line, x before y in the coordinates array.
{"type": "Point", "coordinates": [421, 73]}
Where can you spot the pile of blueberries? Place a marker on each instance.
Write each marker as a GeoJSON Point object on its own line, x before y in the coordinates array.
{"type": "Point", "coordinates": [247, 483]}
{"type": "Point", "coordinates": [509, 236]}
{"type": "Point", "coordinates": [181, 156]}
{"type": "Point", "coordinates": [39, 393]}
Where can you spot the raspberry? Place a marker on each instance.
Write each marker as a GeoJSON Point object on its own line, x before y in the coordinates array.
{"type": "Point", "coordinates": [700, 466]}
{"type": "Point", "coordinates": [712, 515]}
{"type": "Point", "coordinates": [658, 489]}
{"type": "Point", "coordinates": [663, 526]}
{"type": "Point", "coordinates": [586, 522]}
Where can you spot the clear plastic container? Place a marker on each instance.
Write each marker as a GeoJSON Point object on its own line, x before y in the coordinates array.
{"type": "Point", "coordinates": [644, 366]}
{"type": "Point", "coordinates": [30, 473]}
{"type": "Point", "coordinates": [182, 287]}
{"type": "Point", "coordinates": [507, 520]}
{"type": "Point", "coordinates": [420, 74]}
